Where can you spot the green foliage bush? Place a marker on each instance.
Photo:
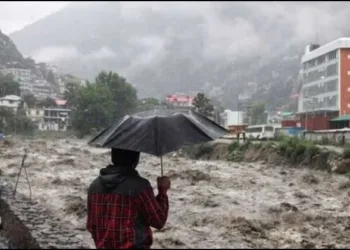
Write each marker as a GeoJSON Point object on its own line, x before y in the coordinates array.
{"type": "Point", "coordinates": [233, 146]}
{"type": "Point", "coordinates": [296, 149]}
{"type": "Point", "coordinates": [269, 144]}
{"type": "Point", "coordinates": [236, 151]}
{"type": "Point", "coordinates": [258, 145]}
{"type": "Point", "coordinates": [236, 156]}
{"type": "Point", "coordinates": [245, 145]}
{"type": "Point", "coordinates": [11, 123]}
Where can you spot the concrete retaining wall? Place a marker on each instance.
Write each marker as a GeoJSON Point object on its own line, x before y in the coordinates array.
{"type": "Point", "coordinates": [28, 225]}
{"type": "Point", "coordinates": [334, 138]}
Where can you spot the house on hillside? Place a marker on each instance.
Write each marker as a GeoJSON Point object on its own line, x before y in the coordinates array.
{"type": "Point", "coordinates": [180, 100]}
{"type": "Point", "coordinates": [57, 117]}
{"type": "Point", "coordinates": [41, 89]}
{"type": "Point", "coordinates": [12, 102]}
{"type": "Point", "coordinates": [51, 118]}
{"type": "Point", "coordinates": [36, 114]}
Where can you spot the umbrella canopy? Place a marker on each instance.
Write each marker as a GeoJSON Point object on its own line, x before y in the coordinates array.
{"type": "Point", "coordinates": [159, 131]}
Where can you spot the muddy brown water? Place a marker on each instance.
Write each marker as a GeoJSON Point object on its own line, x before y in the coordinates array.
{"type": "Point", "coordinates": [212, 204]}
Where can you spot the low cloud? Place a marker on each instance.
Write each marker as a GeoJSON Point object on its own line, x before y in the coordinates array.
{"type": "Point", "coordinates": [55, 53]}
{"type": "Point", "coordinates": [227, 30]}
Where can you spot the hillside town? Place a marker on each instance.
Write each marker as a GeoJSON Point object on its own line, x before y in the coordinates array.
{"type": "Point", "coordinates": [323, 99]}
{"type": "Point", "coordinates": [32, 82]}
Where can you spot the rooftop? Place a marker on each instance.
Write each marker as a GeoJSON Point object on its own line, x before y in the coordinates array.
{"type": "Point", "coordinates": [182, 98]}
{"type": "Point", "coordinates": [341, 118]}
{"type": "Point", "coordinates": [11, 98]}
{"type": "Point", "coordinates": [60, 102]}
{"type": "Point", "coordinates": [341, 43]}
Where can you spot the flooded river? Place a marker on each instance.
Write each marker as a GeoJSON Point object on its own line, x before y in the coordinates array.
{"type": "Point", "coordinates": [212, 204]}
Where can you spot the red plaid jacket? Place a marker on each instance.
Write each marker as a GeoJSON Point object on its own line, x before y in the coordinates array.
{"type": "Point", "coordinates": [121, 216]}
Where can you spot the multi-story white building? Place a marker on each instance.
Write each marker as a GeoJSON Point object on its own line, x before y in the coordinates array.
{"type": "Point", "coordinates": [17, 73]}
{"type": "Point", "coordinates": [56, 118]}
{"type": "Point", "coordinates": [22, 76]}
{"type": "Point", "coordinates": [41, 89]}
{"type": "Point", "coordinates": [326, 78]}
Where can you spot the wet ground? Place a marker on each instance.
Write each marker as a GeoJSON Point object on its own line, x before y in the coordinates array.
{"type": "Point", "coordinates": [212, 204]}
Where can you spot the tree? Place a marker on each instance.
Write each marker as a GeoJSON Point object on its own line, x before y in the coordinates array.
{"type": "Point", "coordinates": [203, 105]}
{"type": "Point", "coordinates": [97, 104]}
{"type": "Point", "coordinates": [15, 123]}
{"type": "Point", "coordinates": [257, 114]}
{"type": "Point", "coordinates": [51, 78]}
{"type": "Point", "coordinates": [94, 109]}
{"type": "Point", "coordinates": [8, 86]}
{"type": "Point", "coordinates": [48, 102]}
{"type": "Point", "coordinates": [71, 93]}
{"type": "Point", "coordinates": [147, 104]}
{"type": "Point", "coordinates": [124, 95]}
{"type": "Point", "coordinates": [30, 100]}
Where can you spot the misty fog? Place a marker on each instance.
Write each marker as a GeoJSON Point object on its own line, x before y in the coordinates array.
{"type": "Point", "coordinates": [228, 27]}
{"type": "Point", "coordinates": [216, 47]}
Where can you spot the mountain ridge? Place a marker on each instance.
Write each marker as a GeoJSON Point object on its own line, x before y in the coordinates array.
{"type": "Point", "coordinates": [226, 49]}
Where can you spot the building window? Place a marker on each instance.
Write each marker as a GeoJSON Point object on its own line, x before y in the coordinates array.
{"type": "Point", "coordinates": [321, 59]}
{"type": "Point", "coordinates": [332, 101]}
{"type": "Point", "coordinates": [331, 85]}
{"type": "Point", "coordinates": [311, 63]}
{"type": "Point", "coordinates": [332, 55]}
{"type": "Point", "coordinates": [332, 69]}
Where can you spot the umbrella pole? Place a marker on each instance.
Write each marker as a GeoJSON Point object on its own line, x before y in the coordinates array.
{"type": "Point", "coordinates": [161, 165]}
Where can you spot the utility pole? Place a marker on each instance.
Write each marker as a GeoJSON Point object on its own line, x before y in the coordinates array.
{"type": "Point", "coordinates": [312, 99]}
{"type": "Point", "coordinates": [238, 109]}
{"type": "Point", "coordinates": [314, 113]}
{"type": "Point", "coordinates": [306, 120]}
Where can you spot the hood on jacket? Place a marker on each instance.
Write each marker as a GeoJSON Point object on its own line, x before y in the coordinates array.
{"type": "Point", "coordinates": [124, 164]}
{"type": "Point", "coordinates": [112, 176]}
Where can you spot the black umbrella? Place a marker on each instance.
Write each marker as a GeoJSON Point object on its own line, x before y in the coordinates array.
{"type": "Point", "coordinates": [158, 132]}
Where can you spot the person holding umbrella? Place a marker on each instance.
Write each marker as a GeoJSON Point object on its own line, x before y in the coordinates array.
{"type": "Point", "coordinates": [122, 206]}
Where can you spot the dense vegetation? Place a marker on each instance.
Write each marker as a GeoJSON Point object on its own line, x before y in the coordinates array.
{"type": "Point", "coordinates": [95, 105]}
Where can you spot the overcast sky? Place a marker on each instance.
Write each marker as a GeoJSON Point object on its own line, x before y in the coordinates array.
{"type": "Point", "coordinates": [16, 15]}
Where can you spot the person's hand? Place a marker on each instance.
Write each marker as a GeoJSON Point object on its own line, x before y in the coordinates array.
{"type": "Point", "coordinates": [163, 183]}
